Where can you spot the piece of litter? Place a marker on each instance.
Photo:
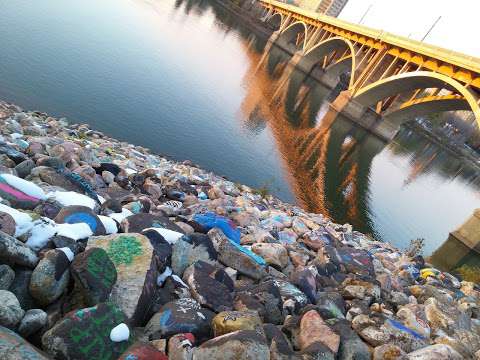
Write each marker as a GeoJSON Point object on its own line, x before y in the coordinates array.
{"type": "Point", "coordinates": [120, 333]}
{"type": "Point", "coordinates": [68, 253]}
{"type": "Point", "coordinates": [163, 276]}
{"type": "Point", "coordinates": [177, 279]}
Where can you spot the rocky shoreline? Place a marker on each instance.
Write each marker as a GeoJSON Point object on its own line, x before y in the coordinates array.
{"type": "Point", "coordinates": [110, 252]}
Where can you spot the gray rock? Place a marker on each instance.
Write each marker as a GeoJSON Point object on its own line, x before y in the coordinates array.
{"type": "Point", "coordinates": [15, 252]}
{"type": "Point", "coordinates": [7, 275]}
{"type": "Point", "coordinates": [50, 277]}
{"type": "Point", "coordinates": [190, 249]}
{"type": "Point", "coordinates": [10, 310]}
{"type": "Point", "coordinates": [25, 168]}
{"type": "Point", "coordinates": [435, 352]}
{"type": "Point", "coordinates": [244, 344]}
{"type": "Point", "coordinates": [20, 287]}
{"type": "Point", "coordinates": [230, 255]}
{"type": "Point", "coordinates": [14, 347]}
{"type": "Point", "coordinates": [208, 288]}
{"type": "Point", "coordinates": [351, 346]}
{"type": "Point", "coordinates": [33, 321]}
{"type": "Point", "coordinates": [180, 316]}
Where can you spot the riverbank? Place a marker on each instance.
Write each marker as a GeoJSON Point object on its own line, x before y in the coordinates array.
{"type": "Point", "coordinates": [108, 249]}
{"type": "Point", "coordinates": [441, 142]}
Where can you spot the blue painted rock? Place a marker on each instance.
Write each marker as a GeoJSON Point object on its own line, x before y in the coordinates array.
{"type": "Point", "coordinates": [50, 277]}
{"type": "Point", "coordinates": [180, 316]}
{"type": "Point", "coordinates": [12, 153]}
{"type": "Point", "coordinates": [81, 214]}
{"type": "Point", "coordinates": [85, 334]}
{"type": "Point", "coordinates": [19, 192]}
{"type": "Point", "coordinates": [143, 351]}
{"type": "Point", "coordinates": [236, 256]}
{"type": "Point", "coordinates": [191, 248]}
{"type": "Point", "coordinates": [137, 271]}
{"type": "Point", "coordinates": [14, 347]}
{"type": "Point", "coordinates": [208, 290]}
{"type": "Point", "coordinates": [94, 275]}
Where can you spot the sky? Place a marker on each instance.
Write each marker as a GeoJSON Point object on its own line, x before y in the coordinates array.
{"type": "Point", "coordinates": [458, 29]}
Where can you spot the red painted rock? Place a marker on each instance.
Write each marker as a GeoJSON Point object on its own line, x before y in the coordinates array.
{"type": "Point", "coordinates": [20, 193]}
{"type": "Point", "coordinates": [136, 266]}
{"type": "Point", "coordinates": [143, 351]}
{"type": "Point", "coordinates": [313, 329]}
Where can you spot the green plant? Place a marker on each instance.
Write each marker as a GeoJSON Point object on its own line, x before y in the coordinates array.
{"type": "Point", "coordinates": [469, 273]}
{"type": "Point", "coordinates": [415, 247]}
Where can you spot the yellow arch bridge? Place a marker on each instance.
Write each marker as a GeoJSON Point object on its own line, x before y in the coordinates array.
{"type": "Point", "coordinates": [393, 75]}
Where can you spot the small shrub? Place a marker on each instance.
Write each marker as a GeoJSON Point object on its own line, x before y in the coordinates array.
{"type": "Point", "coordinates": [469, 273]}
{"type": "Point", "coordinates": [415, 247]}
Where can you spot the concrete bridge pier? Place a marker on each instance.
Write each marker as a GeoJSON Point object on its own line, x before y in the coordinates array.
{"type": "Point", "coordinates": [461, 247]}
{"type": "Point", "coordinates": [364, 116]}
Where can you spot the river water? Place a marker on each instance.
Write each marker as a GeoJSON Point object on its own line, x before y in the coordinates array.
{"type": "Point", "coordinates": [184, 78]}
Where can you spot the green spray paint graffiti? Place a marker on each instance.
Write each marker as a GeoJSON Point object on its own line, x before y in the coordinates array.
{"type": "Point", "coordinates": [123, 249]}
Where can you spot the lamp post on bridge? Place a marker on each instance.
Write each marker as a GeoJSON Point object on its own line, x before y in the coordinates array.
{"type": "Point", "coordinates": [431, 28]}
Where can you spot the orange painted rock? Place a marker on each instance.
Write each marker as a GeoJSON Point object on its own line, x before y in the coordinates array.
{"type": "Point", "coordinates": [313, 329]}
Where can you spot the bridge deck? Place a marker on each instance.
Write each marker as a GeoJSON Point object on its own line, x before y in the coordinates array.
{"type": "Point", "coordinates": [454, 58]}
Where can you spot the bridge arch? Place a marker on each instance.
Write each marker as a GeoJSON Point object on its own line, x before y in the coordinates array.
{"type": "Point", "coordinates": [289, 34]}
{"type": "Point", "coordinates": [275, 21]}
{"type": "Point", "coordinates": [324, 48]}
{"type": "Point", "coordinates": [397, 84]}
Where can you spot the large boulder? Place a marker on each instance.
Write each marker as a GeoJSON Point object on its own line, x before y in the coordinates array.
{"type": "Point", "coordinates": [209, 286]}
{"type": "Point", "coordinates": [236, 256]}
{"type": "Point", "coordinates": [180, 316]}
{"type": "Point", "coordinates": [136, 266]}
{"type": "Point", "coordinates": [191, 248]}
{"type": "Point", "coordinates": [94, 274]}
{"type": "Point", "coordinates": [86, 334]}
{"type": "Point", "coordinates": [81, 214]}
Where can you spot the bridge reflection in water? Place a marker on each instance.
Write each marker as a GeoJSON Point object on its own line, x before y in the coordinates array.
{"type": "Point", "coordinates": [327, 158]}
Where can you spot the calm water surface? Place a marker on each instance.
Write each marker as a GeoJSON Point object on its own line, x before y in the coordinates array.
{"type": "Point", "coordinates": [183, 78]}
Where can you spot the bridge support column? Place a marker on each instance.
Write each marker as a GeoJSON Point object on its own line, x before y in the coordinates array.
{"type": "Point", "coordinates": [363, 116]}
{"type": "Point", "coordinates": [461, 247]}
